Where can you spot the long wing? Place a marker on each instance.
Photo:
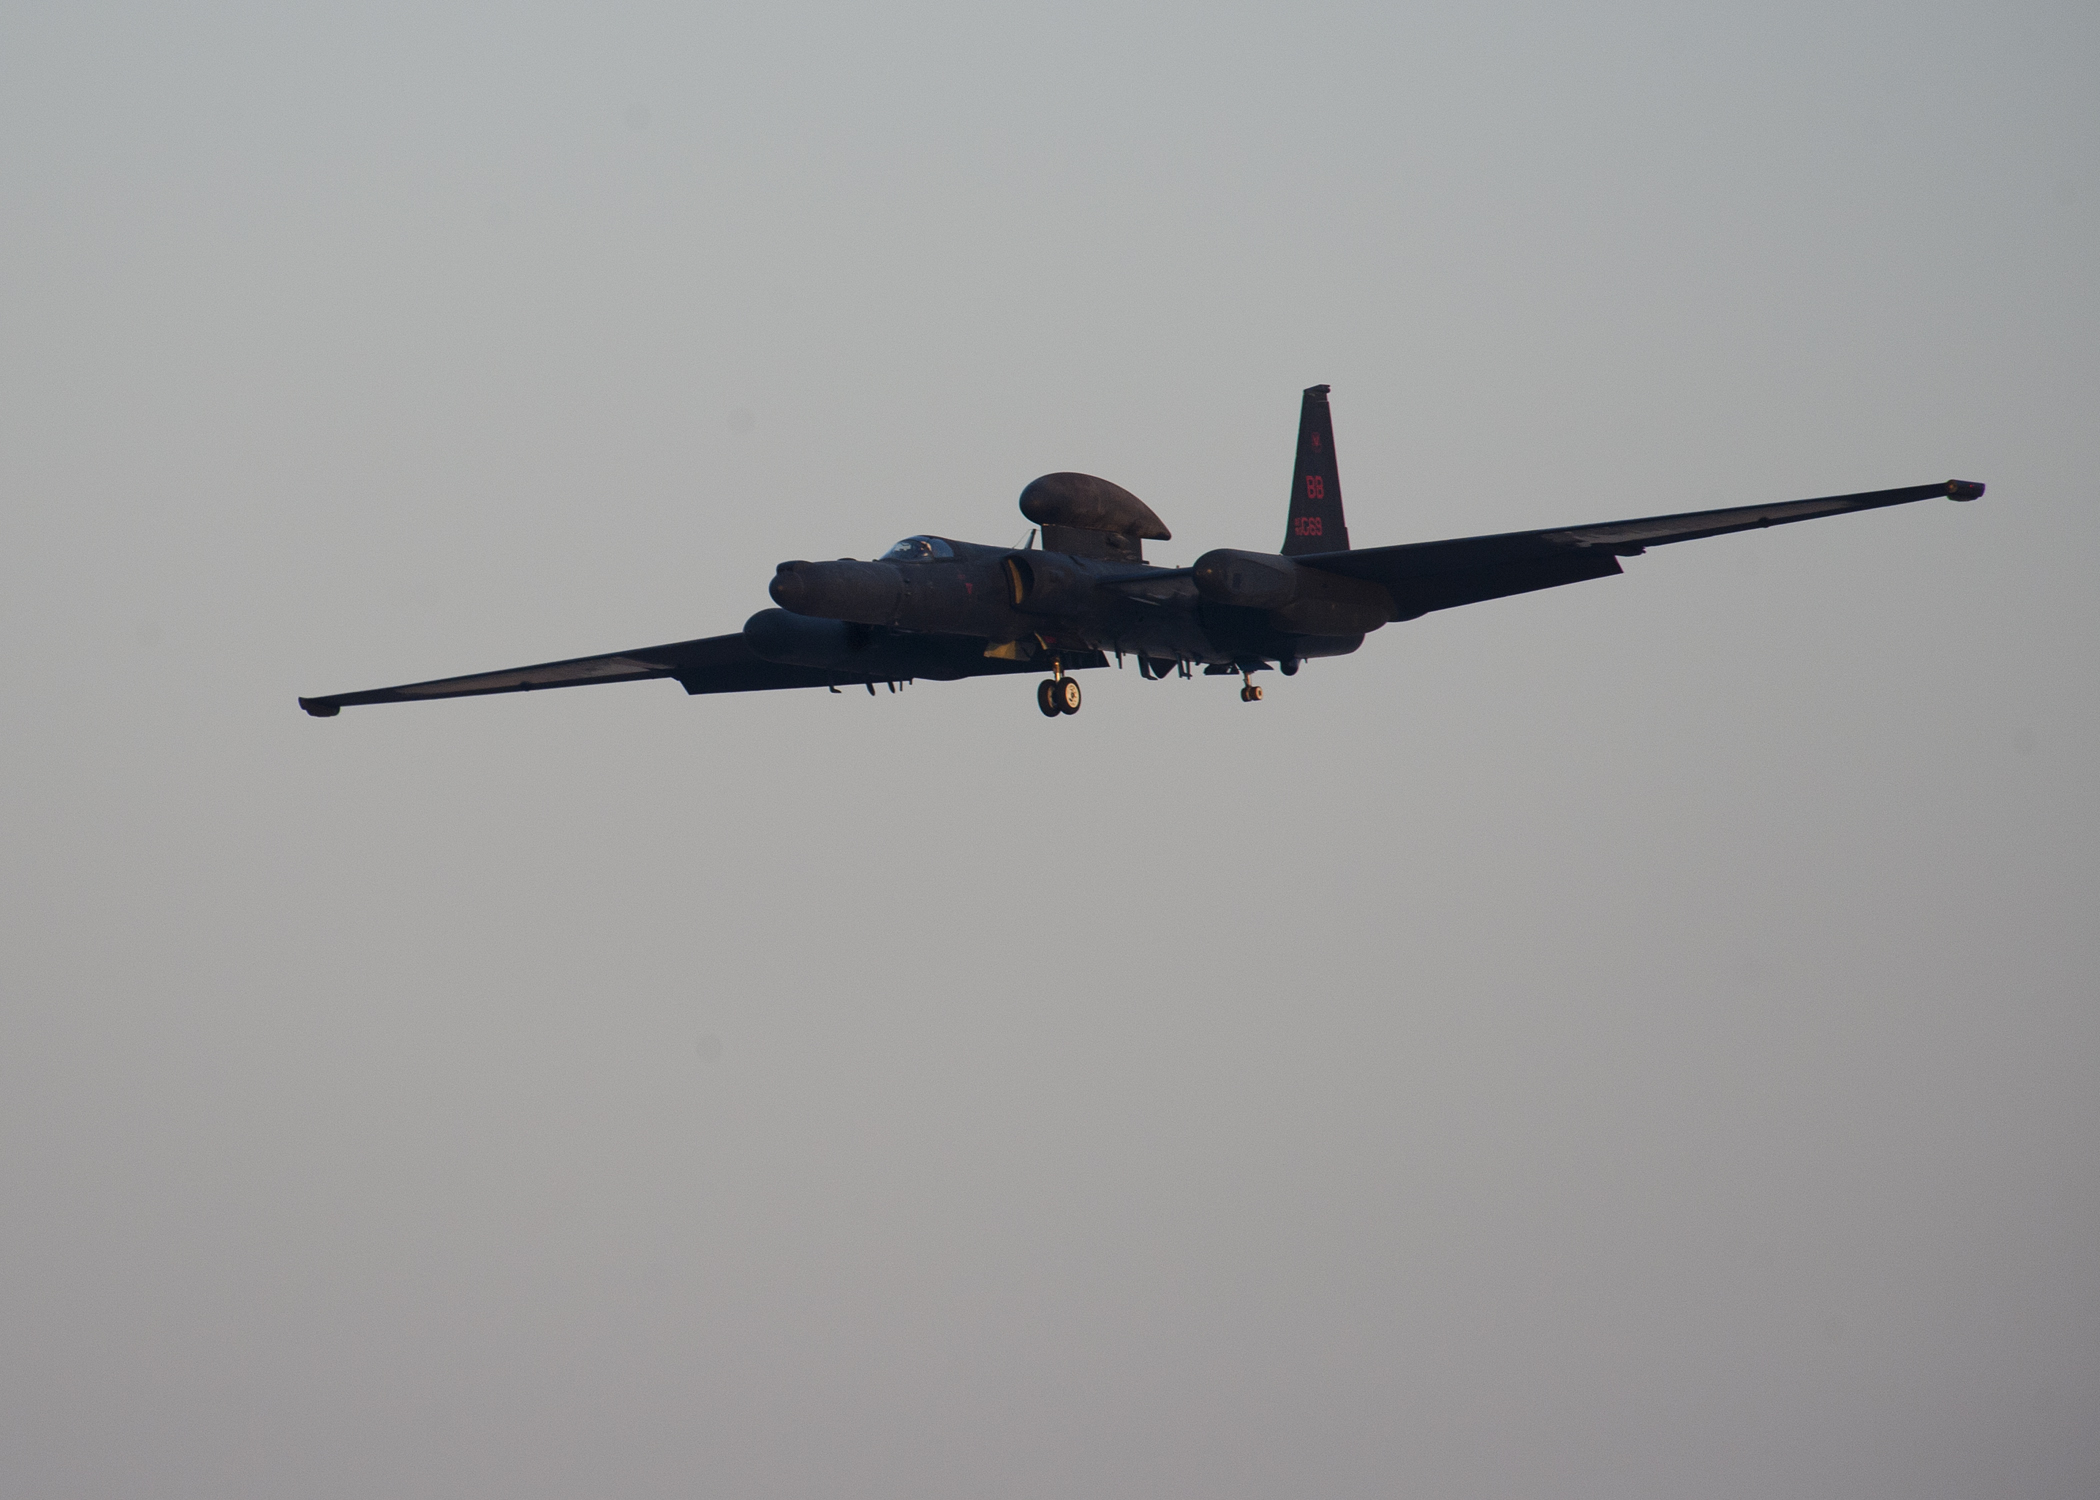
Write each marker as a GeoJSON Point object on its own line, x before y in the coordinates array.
{"type": "Point", "coordinates": [1423, 576]}
{"type": "Point", "coordinates": [718, 664]}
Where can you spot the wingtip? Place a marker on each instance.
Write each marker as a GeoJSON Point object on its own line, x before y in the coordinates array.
{"type": "Point", "coordinates": [320, 708]}
{"type": "Point", "coordinates": [1964, 489]}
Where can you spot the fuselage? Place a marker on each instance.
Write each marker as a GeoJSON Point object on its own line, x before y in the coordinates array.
{"type": "Point", "coordinates": [1029, 604]}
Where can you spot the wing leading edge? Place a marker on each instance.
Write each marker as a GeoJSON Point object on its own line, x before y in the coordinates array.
{"type": "Point", "coordinates": [718, 664]}
{"type": "Point", "coordinates": [1425, 576]}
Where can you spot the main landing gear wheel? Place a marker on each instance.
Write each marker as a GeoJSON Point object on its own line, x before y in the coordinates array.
{"type": "Point", "coordinates": [1057, 695]}
{"type": "Point", "coordinates": [1250, 694]}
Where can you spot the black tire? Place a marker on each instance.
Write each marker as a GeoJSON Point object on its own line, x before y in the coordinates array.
{"type": "Point", "coordinates": [1068, 695]}
{"type": "Point", "coordinates": [1045, 700]}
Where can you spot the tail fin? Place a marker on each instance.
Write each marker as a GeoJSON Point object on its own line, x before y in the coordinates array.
{"type": "Point", "coordinates": [1316, 488]}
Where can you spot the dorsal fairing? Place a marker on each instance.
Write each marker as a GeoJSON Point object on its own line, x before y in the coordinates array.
{"type": "Point", "coordinates": [1089, 517]}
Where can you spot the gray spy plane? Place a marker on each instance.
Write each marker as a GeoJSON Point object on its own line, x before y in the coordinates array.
{"type": "Point", "coordinates": [942, 609]}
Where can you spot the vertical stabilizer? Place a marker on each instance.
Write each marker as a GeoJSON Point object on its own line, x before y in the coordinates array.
{"type": "Point", "coordinates": [1316, 487]}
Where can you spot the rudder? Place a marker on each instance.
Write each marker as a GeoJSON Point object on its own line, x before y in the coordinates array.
{"type": "Point", "coordinates": [1316, 523]}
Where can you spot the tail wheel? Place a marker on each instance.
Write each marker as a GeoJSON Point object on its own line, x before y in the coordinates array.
{"type": "Point", "coordinates": [1046, 698]}
{"type": "Point", "coordinates": [1067, 693]}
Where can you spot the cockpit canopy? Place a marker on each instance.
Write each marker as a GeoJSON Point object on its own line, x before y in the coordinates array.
{"type": "Point", "coordinates": [919, 549]}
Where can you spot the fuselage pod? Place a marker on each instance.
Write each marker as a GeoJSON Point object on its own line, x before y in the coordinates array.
{"type": "Point", "coordinates": [1296, 598]}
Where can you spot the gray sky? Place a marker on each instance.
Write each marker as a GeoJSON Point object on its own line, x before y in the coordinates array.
{"type": "Point", "coordinates": [1634, 1040]}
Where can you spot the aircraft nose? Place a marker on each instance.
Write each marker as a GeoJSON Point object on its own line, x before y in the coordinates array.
{"type": "Point", "coordinates": [863, 592]}
{"type": "Point", "coordinates": [790, 590]}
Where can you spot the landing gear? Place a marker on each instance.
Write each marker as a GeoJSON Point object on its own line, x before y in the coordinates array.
{"type": "Point", "coordinates": [1249, 693]}
{"type": "Point", "coordinates": [1057, 695]}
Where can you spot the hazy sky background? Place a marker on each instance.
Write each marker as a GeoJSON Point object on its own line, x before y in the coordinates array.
{"type": "Point", "coordinates": [1633, 1040]}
